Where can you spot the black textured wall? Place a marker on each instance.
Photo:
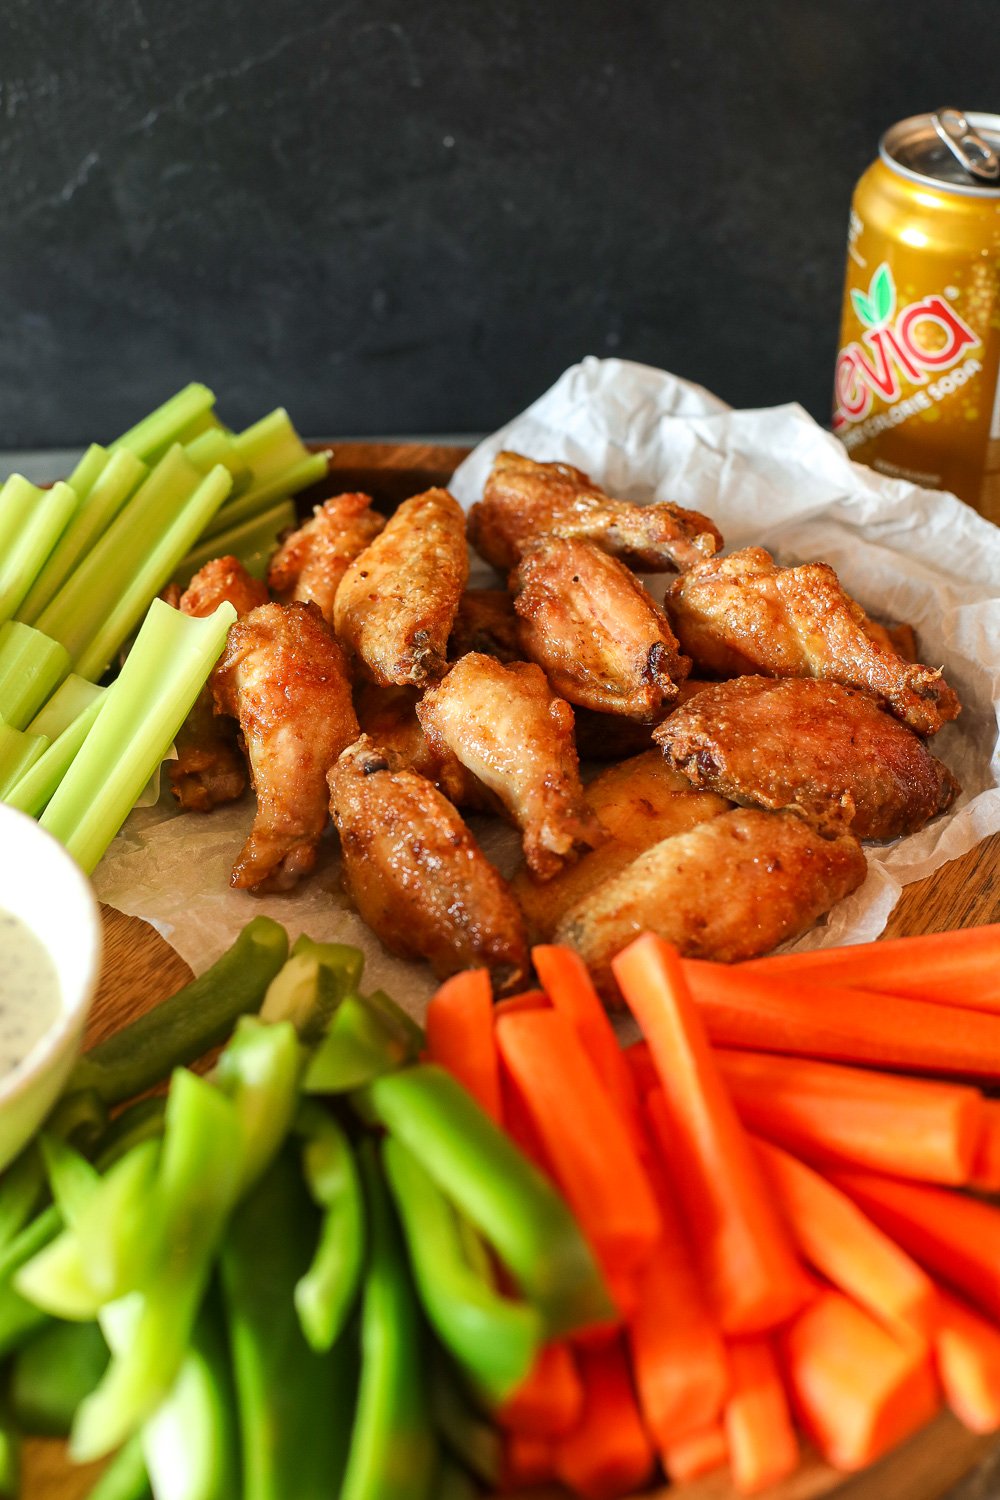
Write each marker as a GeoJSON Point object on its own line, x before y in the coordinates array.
{"type": "Point", "coordinates": [405, 215]}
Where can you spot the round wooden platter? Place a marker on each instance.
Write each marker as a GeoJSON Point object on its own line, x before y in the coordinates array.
{"type": "Point", "coordinates": [140, 968]}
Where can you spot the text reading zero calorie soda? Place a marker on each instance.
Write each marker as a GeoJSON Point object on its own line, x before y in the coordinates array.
{"type": "Point", "coordinates": [918, 374]}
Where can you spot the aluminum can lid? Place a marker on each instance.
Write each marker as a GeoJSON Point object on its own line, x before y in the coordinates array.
{"type": "Point", "coordinates": [948, 150]}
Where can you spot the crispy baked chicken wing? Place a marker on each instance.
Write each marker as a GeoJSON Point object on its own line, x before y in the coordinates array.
{"type": "Point", "coordinates": [310, 562]}
{"type": "Point", "coordinates": [210, 768]}
{"type": "Point", "coordinates": [507, 727]}
{"type": "Point", "coordinates": [416, 874]}
{"type": "Point", "coordinates": [745, 614]}
{"type": "Point", "coordinates": [594, 630]}
{"type": "Point", "coordinates": [283, 676]}
{"type": "Point", "coordinates": [639, 802]}
{"type": "Point", "coordinates": [731, 888]}
{"type": "Point", "coordinates": [396, 603]}
{"type": "Point", "coordinates": [610, 737]}
{"type": "Point", "coordinates": [522, 499]}
{"type": "Point", "coordinates": [819, 749]}
{"type": "Point", "coordinates": [388, 716]}
{"type": "Point", "coordinates": [485, 622]}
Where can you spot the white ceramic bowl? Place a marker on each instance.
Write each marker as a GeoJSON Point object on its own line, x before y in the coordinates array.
{"type": "Point", "coordinates": [41, 885]}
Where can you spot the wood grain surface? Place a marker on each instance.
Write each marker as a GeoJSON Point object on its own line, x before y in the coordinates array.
{"type": "Point", "coordinates": [140, 968]}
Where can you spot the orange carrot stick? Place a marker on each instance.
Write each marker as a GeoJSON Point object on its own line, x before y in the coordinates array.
{"type": "Point", "coordinates": [752, 1276]}
{"type": "Point", "coordinates": [459, 1030]}
{"type": "Point", "coordinates": [856, 1389]}
{"type": "Point", "coordinates": [947, 968]}
{"type": "Point", "coordinates": [590, 1149]}
{"type": "Point", "coordinates": [747, 1009]}
{"type": "Point", "coordinates": [762, 1444]}
{"type": "Point", "coordinates": [526, 1000]}
{"type": "Point", "coordinates": [906, 1127]}
{"type": "Point", "coordinates": [696, 1454]}
{"type": "Point", "coordinates": [986, 1161]}
{"type": "Point", "coordinates": [837, 1239]}
{"type": "Point", "coordinates": [549, 1401]}
{"type": "Point", "coordinates": [527, 1461]}
{"type": "Point", "coordinates": [955, 1236]}
{"type": "Point", "coordinates": [639, 1062]}
{"type": "Point", "coordinates": [967, 1353]}
{"type": "Point", "coordinates": [608, 1453]}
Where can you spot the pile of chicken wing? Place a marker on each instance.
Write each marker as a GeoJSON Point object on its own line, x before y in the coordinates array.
{"type": "Point", "coordinates": [760, 725]}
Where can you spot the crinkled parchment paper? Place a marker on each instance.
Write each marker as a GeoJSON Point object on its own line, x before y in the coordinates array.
{"type": "Point", "coordinates": [771, 477]}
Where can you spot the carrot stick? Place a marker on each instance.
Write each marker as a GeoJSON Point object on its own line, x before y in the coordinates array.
{"type": "Point", "coordinates": [762, 1444]}
{"type": "Point", "coordinates": [954, 1236]}
{"type": "Point", "coordinates": [856, 1389]}
{"type": "Point", "coordinates": [836, 1238]}
{"type": "Point", "coordinates": [752, 1277]}
{"type": "Point", "coordinates": [947, 968]}
{"type": "Point", "coordinates": [639, 1062]}
{"type": "Point", "coordinates": [590, 1149]}
{"type": "Point", "coordinates": [527, 1461]}
{"type": "Point", "coordinates": [906, 1127]}
{"type": "Point", "coordinates": [760, 1013]}
{"type": "Point", "coordinates": [609, 1452]}
{"type": "Point", "coordinates": [986, 1161]}
{"type": "Point", "coordinates": [696, 1454]}
{"type": "Point", "coordinates": [526, 1000]}
{"type": "Point", "coordinates": [459, 1030]}
{"type": "Point", "coordinates": [967, 1352]}
{"type": "Point", "coordinates": [549, 1401]}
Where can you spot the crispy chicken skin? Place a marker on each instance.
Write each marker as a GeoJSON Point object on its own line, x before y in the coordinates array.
{"type": "Point", "coordinates": [210, 768]}
{"type": "Point", "coordinates": [283, 676]}
{"type": "Point", "coordinates": [745, 614]}
{"type": "Point", "coordinates": [388, 716]}
{"type": "Point", "coordinates": [485, 622]}
{"type": "Point", "coordinates": [506, 726]}
{"type": "Point", "coordinates": [610, 737]}
{"type": "Point", "coordinates": [731, 888]}
{"type": "Point", "coordinates": [816, 748]}
{"type": "Point", "coordinates": [523, 499]}
{"type": "Point", "coordinates": [595, 631]}
{"type": "Point", "coordinates": [310, 562]}
{"type": "Point", "coordinates": [639, 802]}
{"type": "Point", "coordinates": [397, 601]}
{"type": "Point", "coordinates": [416, 874]}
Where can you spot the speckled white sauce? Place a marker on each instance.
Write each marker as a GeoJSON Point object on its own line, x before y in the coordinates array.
{"type": "Point", "coordinates": [29, 991]}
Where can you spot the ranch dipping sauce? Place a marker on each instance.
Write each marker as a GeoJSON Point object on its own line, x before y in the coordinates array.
{"type": "Point", "coordinates": [29, 992]}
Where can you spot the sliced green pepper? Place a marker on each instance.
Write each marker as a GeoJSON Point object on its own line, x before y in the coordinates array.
{"type": "Point", "coordinates": [358, 1046]}
{"type": "Point", "coordinates": [259, 1071]}
{"type": "Point", "coordinates": [190, 1443]}
{"type": "Point", "coordinates": [326, 1292]}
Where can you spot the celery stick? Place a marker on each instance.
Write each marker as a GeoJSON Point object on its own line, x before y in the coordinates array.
{"type": "Point", "coordinates": [216, 446]}
{"type": "Point", "coordinates": [150, 438]}
{"type": "Point", "coordinates": [23, 560]}
{"type": "Point", "coordinates": [18, 753]}
{"type": "Point", "coordinates": [90, 466]}
{"type": "Point", "coordinates": [35, 788]}
{"type": "Point", "coordinates": [190, 1442]}
{"type": "Point", "coordinates": [271, 445]}
{"type": "Point", "coordinates": [119, 479]}
{"type": "Point", "coordinates": [143, 710]}
{"type": "Point", "coordinates": [31, 667]}
{"type": "Point", "coordinates": [259, 496]}
{"type": "Point", "coordinates": [64, 706]}
{"type": "Point", "coordinates": [18, 498]}
{"type": "Point", "coordinates": [253, 542]}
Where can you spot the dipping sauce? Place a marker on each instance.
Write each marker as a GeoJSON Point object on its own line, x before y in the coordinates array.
{"type": "Point", "coordinates": [29, 991]}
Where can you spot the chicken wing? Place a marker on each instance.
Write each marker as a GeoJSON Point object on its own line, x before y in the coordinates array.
{"type": "Point", "coordinates": [310, 562]}
{"type": "Point", "coordinates": [388, 716]}
{"type": "Point", "coordinates": [283, 676]}
{"type": "Point", "coordinates": [416, 874]}
{"type": "Point", "coordinates": [485, 622]}
{"type": "Point", "coordinates": [594, 630]}
{"type": "Point", "coordinates": [745, 614]}
{"type": "Point", "coordinates": [397, 601]}
{"type": "Point", "coordinates": [210, 768]}
{"type": "Point", "coordinates": [507, 727]}
{"type": "Point", "coordinates": [819, 749]}
{"type": "Point", "coordinates": [522, 499]}
{"type": "Point", "coordinates": [639, 803]}
{"type": "Point", "coordinates": [610, 737]}
{"type": "Point", "coordinates": [731, 888]}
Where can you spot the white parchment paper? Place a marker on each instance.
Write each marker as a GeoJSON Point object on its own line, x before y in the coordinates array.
{"type": "Point", "coordinates": [771, 477]}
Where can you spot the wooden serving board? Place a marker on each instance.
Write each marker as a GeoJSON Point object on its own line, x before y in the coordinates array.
{"type": "Point", "coordinates": [140, 969]}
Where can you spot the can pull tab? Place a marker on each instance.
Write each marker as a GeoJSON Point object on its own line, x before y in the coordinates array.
{"type": "Point", "coordinates": [968, 148]}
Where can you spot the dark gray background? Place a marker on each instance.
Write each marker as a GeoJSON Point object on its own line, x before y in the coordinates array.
{"type": "Point", "coordinates": [411, 215]}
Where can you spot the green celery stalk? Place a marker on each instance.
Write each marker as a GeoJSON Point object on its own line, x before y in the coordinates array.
{"type": "Point", "coordinates": [140, 715]}
{"type": "Point", "coordinates": [21, 1190]}
{"type": "Point", "coordinates": [69, 700]}
{"type": "Point", "coordinates": [326, 1292]}
{"type": "Point", "coordinates": [121, 477]}
{"type": "Point", "coordinates": [51, 1375]}
{"type": "Point", "coordinates": [190, 1442]}
{"type": "Point", "coordinates": [31, 667]}
{"type": "Point", "coordinates": [217, 446]}
{"type": "Point", "coordinates": [175, 421]}
{"type": "Point", "coordinates": [18, 498]}
{"type": "Point", "coordinates": [259, 1071]}
{"type": "Point", "coordinates": [88, 468]}
{"type": "Point", "coordinates": [358, 1046]}
{"type": "Point", "coordinates": [252, 543]}
{"type": "Point", "coordinates": [18, 753]}
{"type": "Point", "coordinates": [259, 496]}
{"type": "Point", "coordinates": [23, 559]}
{"type": "Point", "coordinates": [113, 1228]}
{"type": "Point", "coordinates": [35, 788]}
{"type": "Point", "coordinates": [271, 446]}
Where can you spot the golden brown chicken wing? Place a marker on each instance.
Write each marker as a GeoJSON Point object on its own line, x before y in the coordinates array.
{"type": "Point", "coordinates": [594, 630]}
{"type": "Point", "coordinates": [397, 601]}
{"type": "Point", "coordinates": [388, 716]}
{"type": "Point", "coordinates": [416, 874]}
{"type": "Point", "coordinates": [522, 499]}
{"type": "Point", "coordinates": [610, 737]}
{"type": "Point", "coordinates": [485, 622]}
{"type": "Point", "coordinates": [745, 614]}
{"type": "Point", "coordinates": [731, 888]}
{"type": "Point", "coordinates": [310, 562]}
{"type": "Point", "coordinates": [639, 803]}
{"type": "Point", "coordinates": [816, 748]}
{"type": "Point", "coordinates": [210, 768]}
{"type": "Point", "coordinates": [283, 676]}
{"type": "Point", "coordinates": [507, 727]}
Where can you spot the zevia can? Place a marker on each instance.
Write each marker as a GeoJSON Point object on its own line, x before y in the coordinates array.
{"type": "Point", "coordinates": [917, 392]}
